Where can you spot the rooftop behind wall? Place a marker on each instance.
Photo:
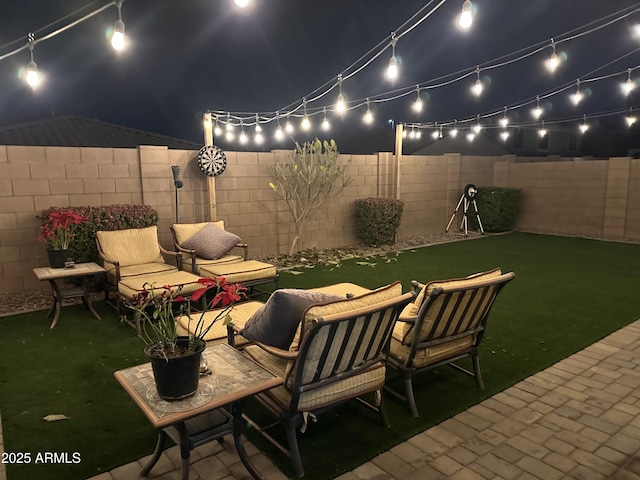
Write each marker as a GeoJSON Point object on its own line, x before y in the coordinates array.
{"type": "Point", "coordinates": [593, 198]}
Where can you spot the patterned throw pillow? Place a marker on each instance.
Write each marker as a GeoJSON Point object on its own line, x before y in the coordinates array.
{"type": "Point", "coordinates": [276, 322]}
{"type": "Point", "coordinates": [211, 242]}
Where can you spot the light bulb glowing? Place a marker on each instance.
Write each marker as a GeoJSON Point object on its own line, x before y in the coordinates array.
{"type": "Point", "coordinates": [435, 135]}
{"type": "Point", "coordinates": [477, 128]}
{"type": "Point", "coordinates": [628, 86]}
{"type": "Point", "coordinates": [453, 133]}
{"type": "Point", "coordinates": [417, 105]}
{"type": "Point", "coordinates": [536, 112]}
{"type": "Point", "coordinates": [33, 77]}
{"type": "Point", "coordinates": [418, 134]}
{"type": "Point", "coordinates": [504, 121]}
{"type": "Point", "coordinates": [412, 133]}
{"type": "Point", "coordinates": [340, 105]}
{"type": "Point", "coordinates": [117, 38]}
{"type": "Point", "coordinates": [217, 131]}
{"type": "Point", "coordinates": [552, 62]}
{"type": "Point", "coordinates": [576, 98]}
{"type": "Point", "coordinates": [630, 119]}
{"type": "Point", "coordinates": [259, 138]}
{"type": "Point", "coordinates": [306, 124]}
{"type": "Point", "coordinates": [243, 138]}
{"type": "Point", "coordinates": [466, 16]}
{"type": "Point", "coordinates": [477, 88]}
{"type": "Point", "coordinates": [241, 3]}
{"type": "Point", "coordinates": [471, 136]}
{"type": "Point", "coordinates": [504, 135]}
{"type": "Point", "coordinates": [542, 132]}
{"type": "Point", "coordinates": [368, 117]}
{"type": "Point", "coordinates": [392, 69]}
{"type": "Point", "coordinates": [288, 127]}
{"type": "Point", "coordinates": [279, 133]}
{"type": "Point", "coordinates": [229, 136]}
{"type": "Point", "coordinates": [583, 127]}
{"type": "Point", "coordinates": [325, 125]}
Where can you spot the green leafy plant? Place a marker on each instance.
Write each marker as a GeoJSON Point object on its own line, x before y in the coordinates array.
{"type": "Point", "coordinates": [110, 217]}
{"type": "Point", "coordinates": [498, 208]}
{"type": "Point", "coordinates": [378, 219]}
{"type": "Point", "coordinates": [161, 308]}
{"type": "Point", "coordinates": [307, 180]}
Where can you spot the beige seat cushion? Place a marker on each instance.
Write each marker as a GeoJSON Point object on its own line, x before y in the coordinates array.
{"type": "Point", "coordinates": [240, 272]}
{"type": "Point", "coordinates": [427, 356]}
{"type": "Point", "coordinates": [133, 246]}
{"type": "Point", "coordinates": [343, 290]}
{"type": "Point", "coordinates": [240, 313]}
{"type": "Point", "coordinates": [368, 381]}
{"type": "Point", "coordinates": [203, 262]}
{"type": "Point", "coordinates": [130, 286]}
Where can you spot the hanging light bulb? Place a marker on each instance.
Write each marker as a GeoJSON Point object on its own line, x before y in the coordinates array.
{"type": "Point", "coordinates": [504, 135]}
{"type": "Point", "coordinates": [392, 69]}
{"type": "Point", "coordinates": [477, 128]}
{"type": "Point", "coordinates": [117, 37]}
{"type": "Point", "coordinates": [584, 126]}
{"type": "Point", "coordinates": [325, 123]}
{"type": "Point", "coordinates": [466, 15]}
{"type": "Point", "coordinates": [553, 61]}
{"type": "Point", "coordinates": [32, 77]}
{"type": "Point", "coordinates": [471, 136]}
{"type": "Point", "coordinates": [340, 104]}
{"type": "Point", "coordinates": [306, 123]}
{"type": "Point", "coordinates": [288, 127]}
{"type": "Point", "coordinates": [629, 85]}
{"type": "Point", "coordinates": [404, 132]}
{"type": "Point", "coordinates": [477, 88]}
{"type": "Point", "coordinates": [630, 119]}
{"type": "Point", "coordinates": [258, 138]}
{"type": "Point", "coordinates": [241, 3]}
{"type": "Point", "coordinates": [217, 131]}
{"type": "Point", "coordinates": [229, 135]}
{"type": "Point", "coordinates": [243, 136]}
{"type": "Point", "coordinates": [504, 121]}
{"type": "Point", "coordinates": [543, 131]}
{"type": "Point", "coordinates": [258, 126]}
{"type": "Point", "coordinates": [417, 105]}
{"type": "Point", "coordinates": [434, 134]}
{"type": "Point", "coordinates": [577, 96]}
{"type": "Point", "coordinates": [368, 116]}
{"type": "Point", "coordinates": [453, 133]}
{"type": "Point", "coordinates": [537, 111]}
{"type": "Point", "coordinates": [418, 133]}
{"type": "Point", "coordinates": [279, 135]}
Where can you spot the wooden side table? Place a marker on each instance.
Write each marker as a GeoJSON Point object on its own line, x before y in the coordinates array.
{"type": "Point", "coordinates": [53, 275]}
{"type": "Point", "coordinates": [200, 418]}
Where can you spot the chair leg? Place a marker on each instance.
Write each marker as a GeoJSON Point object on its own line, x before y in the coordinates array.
{"type": "Point", "coordinates": [294, 451]}
{"type": "Point", "coordinates": [477, 372]}
{"type": "Point", "coordinates": [382, 408]}
{"type": "Point", "coordinates": [410, 399]}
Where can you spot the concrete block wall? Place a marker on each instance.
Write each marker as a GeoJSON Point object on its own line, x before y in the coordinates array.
{"type": "Point", "coordinates": [595, 198]}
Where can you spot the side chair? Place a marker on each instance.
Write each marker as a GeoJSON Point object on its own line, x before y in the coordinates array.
{"type": "Point", "coordinates": [445, 323]}
{"type": "Point", "coordinates": [337, 355]}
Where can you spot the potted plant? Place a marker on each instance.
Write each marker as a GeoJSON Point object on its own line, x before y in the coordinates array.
{"type": "Point", "coordinates": [57, 232]}
{"type": "Point", "coordinates": [175, 360]}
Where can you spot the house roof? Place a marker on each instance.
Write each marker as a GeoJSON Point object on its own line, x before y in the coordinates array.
{"type": "Point", "coordinates": [74, 131]}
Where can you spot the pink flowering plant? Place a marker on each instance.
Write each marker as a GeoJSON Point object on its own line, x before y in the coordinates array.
{"type": "Point", "coordinates": [161, 308]}
{"type": "Point", "coordinates": [58, 228]}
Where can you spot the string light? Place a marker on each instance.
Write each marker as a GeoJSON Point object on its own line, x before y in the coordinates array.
{"type": "Point", "coordinates": [325, 123]}
{"type": "Point", "coordinates": [584, 126]}
{"type": "Point", "coordinates": [453, 133]}
{"type": "Point", "coordinates": [229, 135]}
{"type": "Point", "coordinates": [504, 135]}
{"type": "Point", "coordinates": [32, 76]}
{"type": "Point", "coordinates": [306, 123]}
{"type": "Point", "coordinates": [630, 118]}
{"type": "Point", "coordinates": [504, 121]}
{"type": "Point", "coordinates": [412, 133]}
{"type": "Point", "coordinates": [217, 131]}
{"type": "Point", "coordinates": [258, 136]}
{"type": "Point", "coordinates": [471, 137]}
{"type": "Point", "coordinates": [117, 37]}
{"type": "Point", "coordinates": [392, 69]}
{"type": "Point", "coordinates": [476, 89]}
{"type": "Point", "coordinates": [537, 111]}
{"type": "Point", "coordinates": [243, 136]}
{"type": "Point", "coordinates": [368, 116]}
{"type": "Point", "coordinates": [434, 134]}
{"type": "Point", "coordinates": [417, 105]}
{"type": "Point", "coordinates": [477, 128]}
{"type": "Point", "coordinates": [543, 131]}
{"type": "Point", "coordinates": [241, 3]}
{"type": "Point", "coordinates": [466, 15]}
{"type": "Point", "coordinates": [340, 104]}
{"type": "Point", "coordinates": [279, 135]}
{"type": "Point", "coordinates": [553, 61]}
{"type": "Point", "coordinates": [577, 96]}
{"type": "Point", "coordinates": [629, 85]}
{"type": "Point", "coordinates": [288, 127]}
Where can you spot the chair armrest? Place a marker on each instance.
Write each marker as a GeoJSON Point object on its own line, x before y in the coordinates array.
{"type": "Point", "coordinates": [411, 319]}
{"type": "Point", "coordinates": [278, 352]}
{"type": "Point", "coordinates": [176, 255]}
{"type": "Point", "coordinates": [115, 263]}
{"type": "Point", "coordinates": [417, 286]}
{"type": "Point", "coordinates": [245, 250]}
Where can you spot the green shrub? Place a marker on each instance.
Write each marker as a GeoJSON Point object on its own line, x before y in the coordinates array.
{"type": "Point", "coordinates": [110, 217]}
{"type": "Point", "coordinates": [377, 219]}
{"type": "Point", "coordinates": [498, 208]}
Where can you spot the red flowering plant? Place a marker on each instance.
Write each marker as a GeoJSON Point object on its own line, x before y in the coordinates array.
{"type": "Point", "coordinates": [161, 308]}
{"type": "Point", "coordinates": [58, 228]}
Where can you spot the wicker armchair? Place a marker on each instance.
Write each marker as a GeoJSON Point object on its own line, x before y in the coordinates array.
{"type": "Point", "coordinates": [445, 323]}
{"type": "Point", "coordinates": [338, 354]}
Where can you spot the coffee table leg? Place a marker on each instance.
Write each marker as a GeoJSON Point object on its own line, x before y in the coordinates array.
{"type": "Point", "coordinates": [236, 411]}
{"type": "Point", "coordinates": [86, 298]}
{"type": "Point", "coordinates": [185, 450]}
{"type": "Point", "coordinates": [156, 454]}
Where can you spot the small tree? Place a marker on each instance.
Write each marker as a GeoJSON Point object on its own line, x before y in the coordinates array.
{"type": "Point", "coordinates": [310, 177]}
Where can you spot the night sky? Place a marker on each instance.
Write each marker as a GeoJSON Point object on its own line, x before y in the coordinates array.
{"type": "Point", "coordinates": [185, 57]}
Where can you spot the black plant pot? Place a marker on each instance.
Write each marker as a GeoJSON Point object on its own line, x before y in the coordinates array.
{"type": "Point", "coordinates": [57, 257]}
{"type": "Point", "coordinates": [177, 378]}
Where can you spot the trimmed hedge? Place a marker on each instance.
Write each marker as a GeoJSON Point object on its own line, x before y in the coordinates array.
{"type": "Point", "coordinates": [377, 219]}
{"type": "Point", "coordinates": [498, 208]}
{"type": "Point", "coordinates": [110, 217]}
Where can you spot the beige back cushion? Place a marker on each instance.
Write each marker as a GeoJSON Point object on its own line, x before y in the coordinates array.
{"type": "Point", "coordinates": [134, 246]}
{"type": "Point", "coordinates": [185, 231]}
{"type": "Point", "coordinates": [379, 295]}
{"type": "Point", "coordinates": [469, 282]}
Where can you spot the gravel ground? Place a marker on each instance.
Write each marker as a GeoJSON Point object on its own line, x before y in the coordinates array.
{"type": "Point", "coordinates": [12, 303]}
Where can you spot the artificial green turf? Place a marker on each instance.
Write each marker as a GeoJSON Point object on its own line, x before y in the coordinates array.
{"type": "Point", "coordinates": [567, 294]}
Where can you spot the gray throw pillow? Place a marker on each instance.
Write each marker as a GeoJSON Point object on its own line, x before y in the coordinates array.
{"type": "Point", "coordinates": [211, 242]}
{"type": "Point", "coordinates": [276, 322]}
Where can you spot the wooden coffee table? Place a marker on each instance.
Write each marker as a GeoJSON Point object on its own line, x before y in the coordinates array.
{"type": "Point", "coordinates": [201, 418]}
{"type": "Point", "coordinates": [53, 275]}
